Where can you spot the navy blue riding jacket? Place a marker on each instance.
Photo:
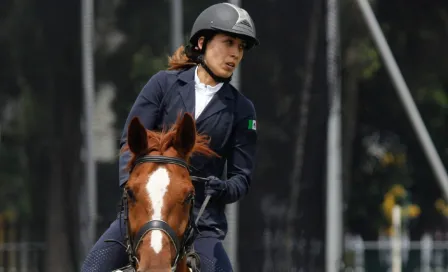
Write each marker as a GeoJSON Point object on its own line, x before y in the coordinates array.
{"type": "Point", "coordinates": [229, 119]}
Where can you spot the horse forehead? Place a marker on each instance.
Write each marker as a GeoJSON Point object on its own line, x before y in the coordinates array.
{"type": "Point", "coordinates": [158, 181]}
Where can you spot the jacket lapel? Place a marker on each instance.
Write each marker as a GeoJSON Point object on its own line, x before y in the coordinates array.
{"type": "Point", "coordinates": [218, 103]}
{"type": "Point", "coordinates": [187, 92]}
{"type": "Point", "coordinates": [188, 97]}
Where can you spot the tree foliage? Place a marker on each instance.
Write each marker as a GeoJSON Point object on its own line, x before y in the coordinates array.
{"type": "Point", "coordinates": [415, 31]}
{"type": "Point", "coordinates": [41, 93]}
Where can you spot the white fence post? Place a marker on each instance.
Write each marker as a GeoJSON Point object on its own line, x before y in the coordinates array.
{"type": "Point", "coordinates": [438, 251]}
{"type": "Point", "coordinates": [359, 255]}
{"type": "Point", "coordinates": [396, 239]}
{"type": "Point", "coordinates": [425, 253]}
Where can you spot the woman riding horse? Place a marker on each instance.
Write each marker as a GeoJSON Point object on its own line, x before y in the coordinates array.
{"type": "Point", "coordinates": [197, 82]}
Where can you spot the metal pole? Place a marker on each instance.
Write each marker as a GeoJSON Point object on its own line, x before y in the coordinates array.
{"type": "Point", "coordinates": [231, 241]}
{"type": "Point", "coordinates": [405, 95]}
{"type": "Point", "coordinates": [88, 30]}
{"type": "Point", "coordinates": [334, 213]}
{"type": "Point", "coordinates": [232, 210]}
{"type": "Point", "coordinates": [176, 24]}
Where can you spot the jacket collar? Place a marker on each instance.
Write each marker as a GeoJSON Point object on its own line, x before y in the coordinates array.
{"type": "Point", "coordinates": [219, 102]}
{"type": "Point", "coordinates": [187, 76]}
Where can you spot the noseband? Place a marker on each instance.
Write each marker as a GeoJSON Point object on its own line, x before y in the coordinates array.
{"type": "Point", "coordinates": [180, 246]}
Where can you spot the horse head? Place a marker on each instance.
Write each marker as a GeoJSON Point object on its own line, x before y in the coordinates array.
{"type": "Point", "coordinates": [159, 194]}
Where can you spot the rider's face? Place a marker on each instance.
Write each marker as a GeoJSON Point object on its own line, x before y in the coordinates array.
{"type": "Point", "coordinates": [223, 54]}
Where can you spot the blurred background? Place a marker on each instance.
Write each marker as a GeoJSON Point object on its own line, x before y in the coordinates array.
{"type": "Point", "coordinates": [339, 144]}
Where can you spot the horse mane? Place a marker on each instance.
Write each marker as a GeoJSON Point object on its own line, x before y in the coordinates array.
{"type": "Point", "coordinates": [163, 140]}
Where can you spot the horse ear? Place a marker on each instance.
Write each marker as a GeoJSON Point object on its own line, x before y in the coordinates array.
{"type": "Point", "coordinates": [137, 137]}
{"type": "Point", "coordinates": [185, 135]}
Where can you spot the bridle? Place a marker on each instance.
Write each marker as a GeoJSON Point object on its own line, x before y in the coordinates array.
{"type": "Point", "coordinates": [181, 246]}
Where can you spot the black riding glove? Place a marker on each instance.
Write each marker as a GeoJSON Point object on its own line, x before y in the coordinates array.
{"type": "Point", "coordinates": [215, 187]}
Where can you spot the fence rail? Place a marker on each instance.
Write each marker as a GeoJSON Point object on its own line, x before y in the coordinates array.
{"type": "Point", "coordinates": [428, 254]}
{"type": "Point", "coordinates": [17, 253]}
{"type": "Point", "coordinates": [21, 257]}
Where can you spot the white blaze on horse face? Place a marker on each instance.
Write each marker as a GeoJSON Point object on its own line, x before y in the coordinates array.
{"type": "Point", "coordinates": [156, 187]}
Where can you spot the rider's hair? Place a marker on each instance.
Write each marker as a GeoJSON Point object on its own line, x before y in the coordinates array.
{"type": "Point", "coordinates": [183, 58]}
{"type": "Point", "coordinates": [190, 55]}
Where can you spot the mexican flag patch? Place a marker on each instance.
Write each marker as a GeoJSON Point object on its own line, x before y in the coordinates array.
{"type": "Point", "coordinates": [252, 125]}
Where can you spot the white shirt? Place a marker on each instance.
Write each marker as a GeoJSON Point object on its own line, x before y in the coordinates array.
{"type": "Point", "coordinates": [204, 93]}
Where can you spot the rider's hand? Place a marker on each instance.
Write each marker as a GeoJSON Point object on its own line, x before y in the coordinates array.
{"type": "Point", "coordinates": [215, 187]}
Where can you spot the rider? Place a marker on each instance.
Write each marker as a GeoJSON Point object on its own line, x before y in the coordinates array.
{"type": "Point", "coordinates": [197, 81]}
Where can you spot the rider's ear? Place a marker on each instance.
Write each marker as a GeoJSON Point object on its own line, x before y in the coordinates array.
{"type": "Point", "coordinates": [185, 135]}
{"type": "Point", "coordinates": [137, 137]}
{"type": "Point", "coordinates": [201, 43]}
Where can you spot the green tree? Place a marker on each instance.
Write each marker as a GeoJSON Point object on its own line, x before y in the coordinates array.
{"type": "Point", "coordinates": [41, 60]}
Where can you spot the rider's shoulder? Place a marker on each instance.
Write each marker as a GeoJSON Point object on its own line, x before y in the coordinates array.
{"type": "Point", "coordinates": [244, 103]}
{"type": "Point", "coordinates": [166, 76]}
{"type": "Point", "coordinates": [163, 74]}
{"type": "Point", "coordinates": [162, 78]}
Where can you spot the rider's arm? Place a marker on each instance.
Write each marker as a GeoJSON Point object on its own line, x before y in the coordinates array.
{"type": "Point", "coordinates": [241, 159]}
{"type": "Point", "coordinates": [146, 107]}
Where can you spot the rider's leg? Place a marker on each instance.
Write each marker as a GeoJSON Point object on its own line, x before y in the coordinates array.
{"type": "Point", "coordinates": [213, 255]}
{"type": "Point", "coordinates": [107, 256]}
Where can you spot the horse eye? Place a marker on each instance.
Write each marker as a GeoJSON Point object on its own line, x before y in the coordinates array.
{"type": "Point", "coordinates": [131, 195]}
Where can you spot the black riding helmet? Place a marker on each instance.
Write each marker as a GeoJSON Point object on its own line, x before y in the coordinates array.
{"type": "Point", "coordinates": [222, 18]}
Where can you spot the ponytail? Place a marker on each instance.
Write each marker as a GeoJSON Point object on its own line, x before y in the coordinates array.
{"type": "Point", "coordinates": [184, 58]}
{"type": "Point", "coordinates": [189, 56]}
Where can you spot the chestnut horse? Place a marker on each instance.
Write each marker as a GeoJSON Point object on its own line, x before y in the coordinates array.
{"type": "Point", "coordinates": [159, 195]}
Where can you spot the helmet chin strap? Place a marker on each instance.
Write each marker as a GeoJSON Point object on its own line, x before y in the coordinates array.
{"type": "Point", "coordinates": [209, 71]}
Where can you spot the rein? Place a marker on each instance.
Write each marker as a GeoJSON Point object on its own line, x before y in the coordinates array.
{"type": "Point", "coordinates": [181, 247]}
